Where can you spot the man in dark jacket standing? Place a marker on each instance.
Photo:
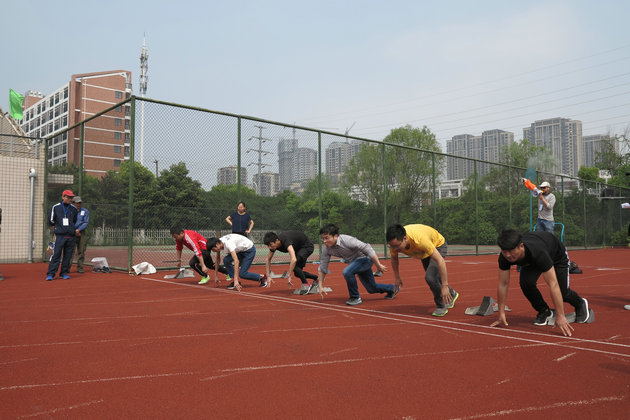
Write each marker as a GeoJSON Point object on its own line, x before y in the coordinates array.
{"type": "Point", "coordinates": [62, 219]}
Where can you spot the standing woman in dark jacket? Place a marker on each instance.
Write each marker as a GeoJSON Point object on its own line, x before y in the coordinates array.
{"type": "Point", "coordinates": [240, 220]}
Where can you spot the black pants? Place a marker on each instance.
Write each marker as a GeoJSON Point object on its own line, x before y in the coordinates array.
{"type": "Point", "coordinates": [302, 255]}
{"type": "Point", "coordinates": [63, 245]}
{"type": "Point", "coordinates": [529, 278]}
{"type": "Point", "coordinates": [207, 259]}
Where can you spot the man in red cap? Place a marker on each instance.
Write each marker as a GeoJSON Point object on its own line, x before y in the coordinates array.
{"type": "Point", "coordinates": [62, 219]}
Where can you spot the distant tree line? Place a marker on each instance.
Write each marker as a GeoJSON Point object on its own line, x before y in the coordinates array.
{"type": "Point", "coordinates": [393, 180]}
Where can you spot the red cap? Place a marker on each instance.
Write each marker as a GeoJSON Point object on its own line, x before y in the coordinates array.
{"type": "Point", "coordinates": [68, 193]}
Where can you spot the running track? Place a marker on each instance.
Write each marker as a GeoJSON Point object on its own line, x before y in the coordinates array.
{"type": "Point", "coordinates": [119, 346]}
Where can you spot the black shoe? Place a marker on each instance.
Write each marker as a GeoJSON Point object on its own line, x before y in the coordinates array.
{"type": "Point", "coordinates": [231, 286]}
{"type": "Point", "coordinates": [581, 312]}
{"type": "Point", "coordinates": [392, 294]}
{"type": "Point", "coordinates": [263, 280]}
{"type": "Point", "coordinates": [543, 317]}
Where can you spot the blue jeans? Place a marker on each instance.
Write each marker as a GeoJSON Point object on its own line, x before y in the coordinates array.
{"type": "Point", "coordinates": [544, 225]}
{"type": "Point", "coordinates": [245, 259]}
{"type": "Point", "coordinates": [65, 245]}
{"type": "Point", "coordinates": [362, 267]}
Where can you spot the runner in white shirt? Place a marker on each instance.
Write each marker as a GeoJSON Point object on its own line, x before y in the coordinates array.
{"type": "Point", "coordinates": [240, 255]}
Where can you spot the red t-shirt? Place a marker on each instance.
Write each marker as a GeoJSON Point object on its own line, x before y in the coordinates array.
{"type": "Point", "coordinates": [193, 241]}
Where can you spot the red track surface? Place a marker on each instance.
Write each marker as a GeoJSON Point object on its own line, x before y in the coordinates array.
{"type": "Point", "coordinates": [119, 346]}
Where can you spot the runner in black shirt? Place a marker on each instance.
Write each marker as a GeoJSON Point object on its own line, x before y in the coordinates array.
{"type": "Point", "coordinates": [299, 248]}
{"type": "Point", "coordinates": [538, 253]}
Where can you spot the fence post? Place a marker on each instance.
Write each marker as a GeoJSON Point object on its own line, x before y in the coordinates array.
{"type": "Point", "coordinates": [132, 175]}
{"type": "Point", "coordinates": [476, 210]}
{"type": "Point", "coordinates": [434, 193]}
{"type": "Point", "coordinates": [384, 199]}
{"type": "Point", "coordinates": [81, 152]}
{"type": "Point", "coordinates": [319, 178]}
{"type": "Point", "coordinates": [238, 160]}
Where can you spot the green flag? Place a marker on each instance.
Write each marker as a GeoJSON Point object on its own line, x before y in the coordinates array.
{"type": "Point", "coordinates": [15, 104]}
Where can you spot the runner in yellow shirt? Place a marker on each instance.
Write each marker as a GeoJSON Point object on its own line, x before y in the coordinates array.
{"type": "Point", "coordinates": [421, 242]}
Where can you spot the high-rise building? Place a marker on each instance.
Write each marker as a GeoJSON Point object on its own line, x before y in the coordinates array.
{"type": "Point", "coordinates": [338, 156]}
{"type": "Point", "coordinates": [268, 183]}
{"type": "Point", "coordinates": [296, 165]}
{"type": "Point", "coordinates": [106, 138]}
{"type": "Point", "coordinates": [486, 147]}
{"type": "Point", "coordinates": [229, 176]}
{"type": "Point", "coordinates": [286, 150]}
{"type": "Point", "coordinates": [563, 137]}
{"type": "Point", "coordinates": [304, 165]}
{"type": "Point", "coordinates": [594, 144]}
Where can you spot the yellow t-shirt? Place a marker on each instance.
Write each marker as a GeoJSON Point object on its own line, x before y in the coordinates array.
{"type": "Point", "coordinates": [423, 240]}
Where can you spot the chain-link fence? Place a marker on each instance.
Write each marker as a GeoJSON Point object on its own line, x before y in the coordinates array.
{"type": "Point", "coordinates": [182, 166]}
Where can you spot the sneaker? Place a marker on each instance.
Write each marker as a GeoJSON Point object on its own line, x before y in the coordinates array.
{"type": "Point", "coordinates": [49, 278]}
{"type": "Point", "coordinates": [440, 311]}
{"type": "Point", "coordinates": [315, 286]}
{"type": "Point", "coordinates": [231, 286]}
{"type": "Point", "coordinates": [305, 288]}
{"type": "Point", "coordinates": [626, 307]}
{"type": "Point", "coordinates": [263, 280]}
{"type": "Point", "coordinates": [65, 276]}
{"type": "Point", "coordinates": [392, 294]}
{"type": "Point", "coordinates": [378, 273]}
{"type": "Point", "coordinates": [543, 317]}
{"type": "Point", "coordinates": [228, 278]}
{"type": "Point", "coordinates": [452, 304]}
{"type": "Point", "coordinates": [204, 280]}
{"type": "Point", "coordinates": [581, 312]}
{"type": "Point", "coordinates": [354, 301]}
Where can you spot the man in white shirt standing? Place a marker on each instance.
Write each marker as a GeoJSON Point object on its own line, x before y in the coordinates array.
{"type": "Point", "coordinates": [240, 255]}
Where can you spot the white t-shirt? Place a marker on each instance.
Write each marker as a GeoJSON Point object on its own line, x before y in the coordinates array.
{"type": "Point", "coordinates": [235, 242]}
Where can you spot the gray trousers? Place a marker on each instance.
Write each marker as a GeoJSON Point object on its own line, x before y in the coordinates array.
{"type": "Point", "coordinates": [433, 277]}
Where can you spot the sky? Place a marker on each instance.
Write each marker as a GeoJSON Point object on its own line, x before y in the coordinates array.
{"type": "Point", "coordinates": [457, 67]}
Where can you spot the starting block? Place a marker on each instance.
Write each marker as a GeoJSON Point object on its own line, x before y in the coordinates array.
{"type": "Point", "coordinates": [279, 276]}
{"type": "Point", "coordinates": [182, 273]}
{"type": "Point", "coordinates": [312, 292]}
{"type": "Point", "coordinates": [488, 307]}
{"type": "Point", "coordinates": [571, 317]}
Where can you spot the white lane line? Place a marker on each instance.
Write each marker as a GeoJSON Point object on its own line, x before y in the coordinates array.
{"type": "Point", "coordinates": [115, 340]}
{"type": "Point", "coordinates": [57, 410]}
{"type": "Point", "coordinates": [18, 361]}
{"type": "Point", "coordinates": [535, 409]}
{"type": "Point", "coordinates": [566, 356]}
{"type": "Point", "coordinates": [427, 321]}
{"type": "Point", "coordinates": [368, 359]}
{"type": "Point", "coordinates": [338, 352]}
{"type": "Point", "coordinates": [90, 381]}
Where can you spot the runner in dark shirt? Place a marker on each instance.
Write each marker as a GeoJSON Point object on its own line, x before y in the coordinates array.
{"type": "Point", "coordinates": [538, 253]}
{"type": "Point", "coordinates": [299, 247]}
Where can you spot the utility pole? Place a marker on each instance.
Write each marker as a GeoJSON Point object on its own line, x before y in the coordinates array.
{"type": "Point", "coordinates": [144, 68]}
{"type": "Point", "coordinates": [261, 153]}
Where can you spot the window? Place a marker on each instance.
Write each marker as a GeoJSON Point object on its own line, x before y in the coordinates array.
{"type": "Point", "coordinates": [116, 162]}
{"type": "Point", "coordinates": [65, 93]}
{"type": "Point", "coordinates": [119, 108]}
{"type": "Point", "coordinates": [119, 94]}
{"type": "Point", "coordinates": [126, 151]}
{"type": "Point", "coordinates": [117, 121]}
{"type": "Point", "coordinates": [117, 135]}
{"type": "Point", "coordinates": [117, 149]}
{"type": "Point", "coordinates": [127, 137]}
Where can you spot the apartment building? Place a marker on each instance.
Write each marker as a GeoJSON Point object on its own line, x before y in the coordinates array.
{"type": "Point", "coordinates": [107, 138]}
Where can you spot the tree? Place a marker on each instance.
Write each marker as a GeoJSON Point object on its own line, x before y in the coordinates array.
{"type": "Point", "coordinates": [401, 174]}
{"type": "Point", "coordinates": [590, 174]}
